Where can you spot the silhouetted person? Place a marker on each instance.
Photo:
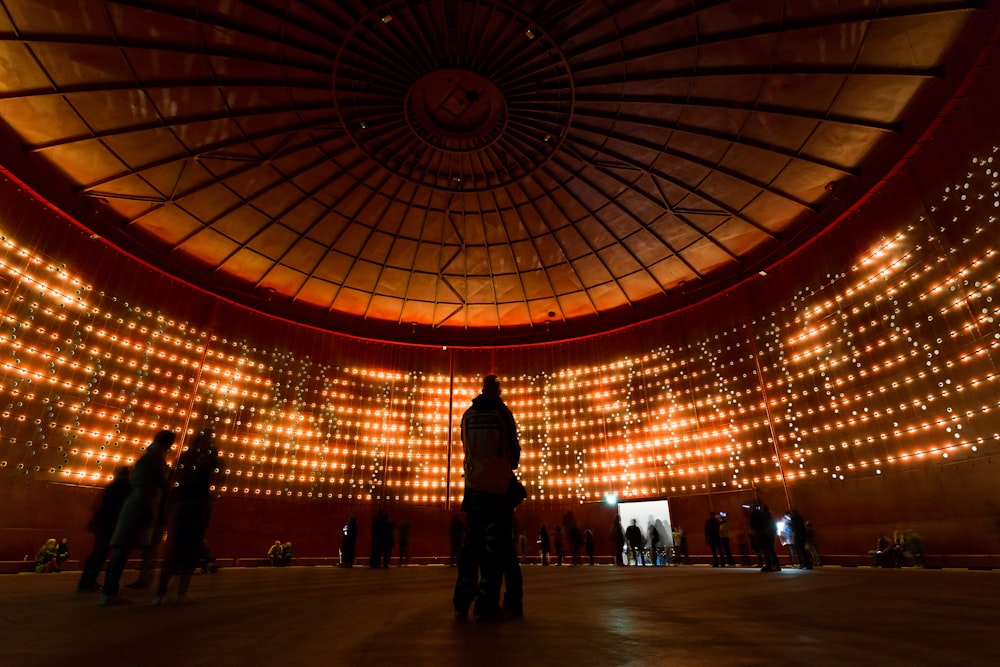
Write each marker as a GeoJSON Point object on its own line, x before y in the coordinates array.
{"type": "Point", "coordinates": [883, 554]}
{"type": "Point", "coordinates": [388, 541]}
{"type": "Point", "coordinates": [666, 540]}
{"type": "Point", "coordinates": [349, 546]}
{"type": "Point", "coordinates": [379, 522]}
{"type": "Point", "coordinates": [588, 544]}
{"type": "Point", "coordinates": [286, 553]}
{"type": "Point", "coordinates": [811, 545]}
{"type": "Point", "coordinates": [712, 537]}
{"type": "Point", "coordinates": [62, 552]}
{"type": "Point", "coordinates": [725, 550]}
{"type": "Point", "coordinates": [492, 452]}
{"type": "Point", "coordinates": [544, 547]}
{"type": "Point", "coordinates": [102, 524]}
{"type": "Point", "coordinates": [618, 539]}
{"type": "Point", "coordinates": [762, 526]}
{"type": "Point", "coordinates": [575, 537]}
{"type": "Point", "coordinates": [633, 535]}
{"type": "Point", "coordinates": [654, 543]}
{"type": "Point", "coordinates": [141, 512]}
{"type": "Point", "coordinates": [150, 552]}
{"type": "Point", "coordinates": [798, 526]}
{"type": "Point", "coordinates": [756, 549]}
{"type": "Point", "coordinates": [456, 534]}
{"type": "Point", "coordinates": [189, 510]}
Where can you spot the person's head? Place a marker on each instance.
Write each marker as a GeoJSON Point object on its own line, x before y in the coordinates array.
{"type": "Point", "coordinates": [164, 439]}
{"type": "Point", "coordinates": [491, 385]}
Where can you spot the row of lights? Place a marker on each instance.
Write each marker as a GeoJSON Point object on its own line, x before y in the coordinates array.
{"type": "Point", "coordinates": [849, 371]}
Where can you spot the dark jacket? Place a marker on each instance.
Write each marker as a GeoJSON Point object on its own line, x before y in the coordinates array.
{"type": "Point", "coordinates": [143, 506]}
{"type": "Point", "coordinates": [489, 438]}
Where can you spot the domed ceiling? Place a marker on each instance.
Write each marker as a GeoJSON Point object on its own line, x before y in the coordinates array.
{"type": "Point", "coordinates": [470, 171]}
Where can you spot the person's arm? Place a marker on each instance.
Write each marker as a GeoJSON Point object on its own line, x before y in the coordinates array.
{"type": "Point", "coordinates": [512, 442]}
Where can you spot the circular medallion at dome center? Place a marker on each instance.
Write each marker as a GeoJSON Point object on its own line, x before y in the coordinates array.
{"type": "Point", "coordinates": [456, 110]}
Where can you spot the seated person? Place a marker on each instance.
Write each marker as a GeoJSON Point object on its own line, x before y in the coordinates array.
{"type": "Point", "coordinates": [884, 554]}
{"type": "Point", "coordinates": [274, 553]}
{"type": "Point", "coordinates": [913, 545]}
{"type": "Point", "coordinates": [286, 554]}
{"type": "Point", "coordinates": [62, 551]}
{"type": "Point", "coordinates": [47, 558]}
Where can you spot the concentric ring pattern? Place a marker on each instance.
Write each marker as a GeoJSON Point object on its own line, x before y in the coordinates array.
{"type": "Point", "coordinates": [469, 171]}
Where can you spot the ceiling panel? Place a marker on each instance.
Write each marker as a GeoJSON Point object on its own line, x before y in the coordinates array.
{"type": "Point", "coordinates": [447, 170]}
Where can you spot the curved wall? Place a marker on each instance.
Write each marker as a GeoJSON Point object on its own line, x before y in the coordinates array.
{"type": "Point", "coordinates": [857, 380]}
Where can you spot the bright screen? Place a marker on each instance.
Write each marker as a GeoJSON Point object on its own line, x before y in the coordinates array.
{"type": "Point", "coordinates": [648, 513]}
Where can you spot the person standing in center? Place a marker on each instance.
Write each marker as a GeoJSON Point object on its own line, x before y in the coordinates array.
{"type": "Point", "coordinates": [492, 452]}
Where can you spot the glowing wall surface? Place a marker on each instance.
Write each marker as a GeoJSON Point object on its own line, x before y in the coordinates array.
{"type": "Point", "coordinates": [888, 363]}
{"type": "Point", "coordinates": [873, 352]}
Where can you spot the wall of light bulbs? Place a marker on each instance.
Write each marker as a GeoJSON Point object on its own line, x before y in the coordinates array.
{"type": "Point", "coordinates": [876, 359]}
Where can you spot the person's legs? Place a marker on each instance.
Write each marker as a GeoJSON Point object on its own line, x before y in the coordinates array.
{"type": "Point", "coordinates": [728, 552]}
{"type": "Point", "coordinates": [183, 583]}
{"type": "Point", "coordinates": [145, 579]}
{"type": "Point", "coordinates": [113, 574]}
{"type": "Point", "coordinates": [94, 563]}
{"type": "Point", "coordinates": [492, 562]}
{"type": "Point", "coordinates": [803, 555]}
{"type": "Point", "coordinates": [166, 572]}
{"type": "Point", "coordinates": [513, 598]}
{"type": "Point", "coordinates": [772, 556]}
{"type": "Point", "coordinates": [467, 581]}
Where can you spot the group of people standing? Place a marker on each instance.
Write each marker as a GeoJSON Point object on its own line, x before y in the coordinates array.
{"type": "Point", "coordinates": [580, 542]}
{"type": "Point", "coordinates": [717, 537]}
{"type": "Point", "coordinates": [136, 508]}
{"type": "Point", "coordinates": [383, 542]}
{"type": "Point", "coordinates": [630, 544]}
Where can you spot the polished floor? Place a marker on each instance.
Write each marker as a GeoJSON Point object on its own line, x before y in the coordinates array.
{"type": "Point", "coordinates": [603, 615]}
